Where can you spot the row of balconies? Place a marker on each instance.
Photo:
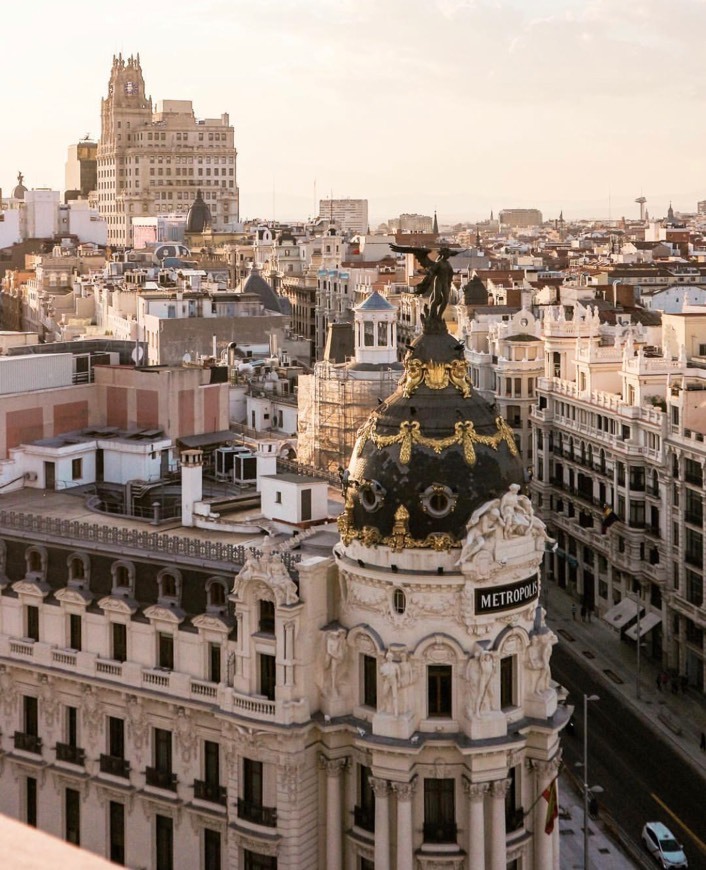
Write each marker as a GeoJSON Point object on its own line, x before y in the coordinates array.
{"type": "Point", "coordinates": [130, 674]}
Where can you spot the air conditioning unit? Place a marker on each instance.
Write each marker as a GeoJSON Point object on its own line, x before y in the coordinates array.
{"type": "Point", "coordinates": [30, 475]}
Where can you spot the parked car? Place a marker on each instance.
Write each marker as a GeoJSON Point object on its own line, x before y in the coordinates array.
{"type": "Point", "coordinates": [661, 843]}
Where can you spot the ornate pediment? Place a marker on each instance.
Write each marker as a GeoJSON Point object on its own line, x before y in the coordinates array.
{"type": "Point", "coordinates": [73, 595]}
{"type": "Point", "coordinates": [165, 614]}
{"type": "Point", "coordinates": [269, 569]}
{"type": "Point", "coordinates": [115, 604]}
{"type": "Point", "coordinates": [212, 622]}
{"type": "Point", "coordinates": [31, 588]}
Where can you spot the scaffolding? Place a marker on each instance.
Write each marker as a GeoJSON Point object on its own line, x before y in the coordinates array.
{"type": "Point", "coordinates": [333, 404]}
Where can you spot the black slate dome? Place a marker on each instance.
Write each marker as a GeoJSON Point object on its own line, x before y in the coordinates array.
{"type": "Point", "coordinates": [199, 215]}
{"type": "Point", "coordinates": [474, 292]}
{"type": "Point", "coordinates": [428, 456]}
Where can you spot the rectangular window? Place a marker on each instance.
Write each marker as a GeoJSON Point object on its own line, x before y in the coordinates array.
{"type": "Point", "coordinates": [116, 737]}
{"type": "Point", "coordinates": [211, 762]}
{"type": "Point", "coordinates": [252, 781]}
{"type": "Point", "coordinates": [267, 676]}
{"type": "Point", "coordinates": [72, 816]}
{"type": "Point", "coordinates": [31, 801]}
{"type": "Point", "coordinates": [370, 682]}
{"type": "Point", "coordinates": [32, 622]}
{"type": "Point", "coordinates": [119, 632]}
{"type": "Point", "coordinates": [364, 812]}
{"type": "Point", "coordinates": [164, 842]}
{"type": "Point", "coordinates": [214, 662]}
{"type": "Point", "coordinates": [163, 750]}
{"type": "Point", "coordinates": [211, 849]}
{"type": "Point", "coordinates": [439, 699]}
{"type": "Point", "coordinates": [30, 716]}
{"type": "Point", "coordinates": [116, 823]}
{"type": "Point", "coordinates": [166, 651]}
{"type": "Point", "coordinates": [694, 588]}
{"type": "Point", "coordinates": [507, 682]}
{"type": "Point", "coordinates": [72, 726]}
{"type": "Point", "coordinates": [267, 617]}
{"type": "Point", "coordinates": [75, 631]}
{"type": "Point", "coordinates": [255, 861]}
{"type": "Point", "coordinates": [439, 811]}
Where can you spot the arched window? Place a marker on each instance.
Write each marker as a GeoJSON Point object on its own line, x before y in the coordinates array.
{"type": "Point", "coordinates": [399, 600]}
{"type": "Point", "coordinates": [216, 594]}
{"type": "Point", "coordinates": [169, 585]}
{"type": "Point", "coordinates": [78, 569]}
{"type": "Point", "coordinates": [36, 561]}
{"type": "Point", "coordinates": [123, 578]}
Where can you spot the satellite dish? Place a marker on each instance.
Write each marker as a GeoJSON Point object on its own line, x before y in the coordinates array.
{"type": "Point", "coordinates": [137, 355]}
{"type": "Point", "coordinates": [186, 358]}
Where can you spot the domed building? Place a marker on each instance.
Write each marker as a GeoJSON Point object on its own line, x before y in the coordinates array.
{"type": "Point", "coordinates": [441, 637]}
{"type": "Point", "coordinates": [19, 190]}
{"type": "Point", "coordinates": [198, 217]}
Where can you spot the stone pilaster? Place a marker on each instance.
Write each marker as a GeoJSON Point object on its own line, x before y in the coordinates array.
{"type": "Point", "coordinates": [476, 792]}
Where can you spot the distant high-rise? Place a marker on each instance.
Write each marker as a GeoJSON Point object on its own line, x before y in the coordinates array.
{"type": "Point", "coordinates": [350, 214]}
{"type": "Point", "coordinates": [520, 217]}
{"type": "Point", "coordinates": [153, 161]}
{"type": "Point", "coordinates": [82, 169]}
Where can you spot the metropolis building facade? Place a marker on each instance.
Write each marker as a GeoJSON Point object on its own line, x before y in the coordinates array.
{"type": "Point", "coordinates": [374, 693]}
{"type": "Point", "coordinates": [154, 159]}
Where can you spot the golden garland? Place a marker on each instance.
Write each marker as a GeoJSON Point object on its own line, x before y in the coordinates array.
{"type": "Point", "coordinates": [410, 433]}
{"type": "Point", "coordinates": [435, 375]}
{"type": "Point", "coordinates": [400, 539]}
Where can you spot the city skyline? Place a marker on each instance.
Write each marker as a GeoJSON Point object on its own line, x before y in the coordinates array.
{"type": "Point", "coordinates": [458, 107]}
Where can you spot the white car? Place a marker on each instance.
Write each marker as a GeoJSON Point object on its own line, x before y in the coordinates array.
{"type": "Point", "coordinates": [661, 843]}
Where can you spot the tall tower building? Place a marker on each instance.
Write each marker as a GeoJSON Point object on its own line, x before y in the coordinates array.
{"type": "Point", "coordinates": [154, 160]}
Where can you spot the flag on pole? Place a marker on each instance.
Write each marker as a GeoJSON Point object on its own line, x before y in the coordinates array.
{"type": "Point", "coordinates": [550, 795]}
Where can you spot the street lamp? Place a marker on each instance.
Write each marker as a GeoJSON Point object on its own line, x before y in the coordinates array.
{"type": "Point", "coordinates": [586, 789]}
{"type": "Point", "coordinates": [638, 604]}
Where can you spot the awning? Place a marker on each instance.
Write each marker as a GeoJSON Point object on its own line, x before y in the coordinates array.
{"type": "Point", "coordinates": [647, 623]}
{"type": "Point", "coordinates": [622, 613]}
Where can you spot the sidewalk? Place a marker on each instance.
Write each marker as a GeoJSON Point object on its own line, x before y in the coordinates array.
{"type": "Point", "coordinates": [680, 718]}
{"type": "Point", "coordinates": [603, 850]}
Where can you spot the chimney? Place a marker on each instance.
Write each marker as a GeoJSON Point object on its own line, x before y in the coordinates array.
{"type": "Point", "coordinates": [191, 484]}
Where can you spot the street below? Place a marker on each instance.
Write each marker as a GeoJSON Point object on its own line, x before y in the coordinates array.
{"type": "Point", "coordinates": [643, 778]}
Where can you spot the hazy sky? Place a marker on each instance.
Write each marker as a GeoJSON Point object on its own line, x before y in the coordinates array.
{"type": "Point", "coordinates": [457, 105]}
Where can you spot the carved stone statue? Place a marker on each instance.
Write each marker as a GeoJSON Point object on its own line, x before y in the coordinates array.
{"type": "Point", "coordinates": [270, 570]}
{"type": "Point", "coordinates": [482, 530]}
{"type": "Point", "coordinates": [335, 657]}
{"type": "Point", "coordinates": [539, 653]}
{"type": "Point", "coordinates": [480, 673]}
{"type": "Point", "coordinates": [185, 734]}
{"type": "Point", "coordinates": [437, 282]}
{"type": "Point", "coordinates": [397, 674]}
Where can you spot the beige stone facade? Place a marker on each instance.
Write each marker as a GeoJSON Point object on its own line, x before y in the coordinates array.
{"type": "Point", "coordinates": [154, 159]}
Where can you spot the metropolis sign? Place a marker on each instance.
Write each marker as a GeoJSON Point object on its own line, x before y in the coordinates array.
{"type": "Point", "coordinates": [506, 597]}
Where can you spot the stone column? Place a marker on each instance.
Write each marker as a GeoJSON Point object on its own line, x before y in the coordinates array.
{"type": "Point", "coordinates": [405, 829]}
{"type": "Point", "coordinates": [334, 821]}
{"type": "Point", "coordinates": [381, 787]}
{"type": "Point", "coordinates": [476, 792]}
{"type": "Point", "coordinates": [498, 836]}
{"type": "Point", "coordinates": [544, 844]}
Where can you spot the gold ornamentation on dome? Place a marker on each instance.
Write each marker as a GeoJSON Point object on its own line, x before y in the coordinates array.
{"type": "Point", "coordinates": [410, 433]}
{"type": "Point", "coordinates": [345, 521]}
{"type": "Point", "coordinates": [399, 539]}
{"type": "Point", "coordinates": [436, 376]}
{"type": "Point", "coordinates": [370, 536]}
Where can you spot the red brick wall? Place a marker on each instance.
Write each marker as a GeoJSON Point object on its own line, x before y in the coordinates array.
{"type": "Point", "coordinates": [211, 409]}
{"type": "Point", "coordinates": [24, 426]}
{"type": "Point", "coordinates": [117, 407]}
{"type": "Point", "coordinates": [187, 425]}
{"type": "Point", "coordinates": [70, 416]}
{"type": "Point", "coordinates": [147, 409]}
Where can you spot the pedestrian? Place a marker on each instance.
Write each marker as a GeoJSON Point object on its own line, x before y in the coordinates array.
{"type": "Point", "coordinates": [573, 612]}
{"type": "Point", "coordinates": [703, 742]}
{"type": "Point", "coordinates": [588, 613]}
{"type": "Point", "coordinates": [583, 613]}
{"type": "Point", "coordinates": [659, 682]}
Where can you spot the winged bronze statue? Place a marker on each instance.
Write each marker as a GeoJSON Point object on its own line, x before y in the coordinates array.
{"type": "Point", "coordinates": [437, 281]}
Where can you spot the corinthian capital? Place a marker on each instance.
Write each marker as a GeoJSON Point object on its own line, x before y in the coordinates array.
{"type": "Point", "coordinates": [404, 790]}
{"type": "Point", "coordinates": [476, 791]}
{"type": "Point", "coordinates": [333, 766]}
{"type": "Point", "coordinates": [381, 787]}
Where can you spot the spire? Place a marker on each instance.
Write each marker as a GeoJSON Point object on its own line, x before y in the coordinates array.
{"type": "Point", "coordinates": [435, 228]}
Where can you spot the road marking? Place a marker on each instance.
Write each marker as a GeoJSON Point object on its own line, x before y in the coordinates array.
{"type": "Point", "coordinates": [700, 843]}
